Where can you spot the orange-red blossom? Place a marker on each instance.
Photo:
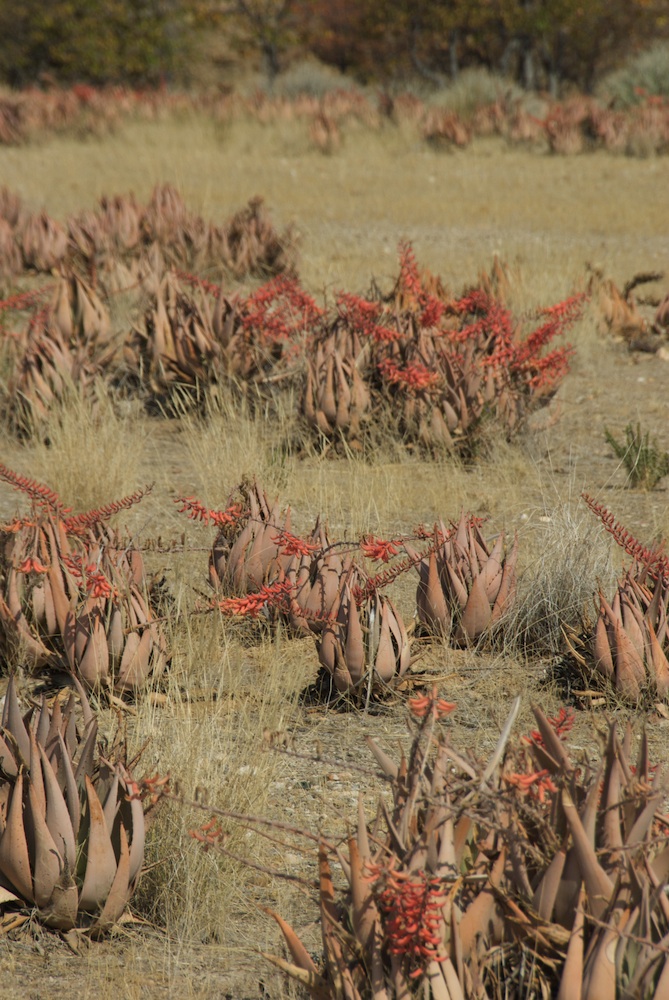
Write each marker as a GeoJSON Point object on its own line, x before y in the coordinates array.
{"type": "Point", "coordinates": [32, 566]}
{"type": "Point", "coordinates": [561, 723]}
{"type": "Point", "coordinates": [536, 784]}
{"type": "Point", "coordinates": [149, 789]}
{"type": "Point", "coordinates": [429, 703]}
{"type": "Point", "coordinates": [210, 834]}
{"type": "Point", "coordinates": [251, 605]}
{"type": "Point", "coordinates": [412, 904]}
{"type": "Point", "coordinates": [378, 549]}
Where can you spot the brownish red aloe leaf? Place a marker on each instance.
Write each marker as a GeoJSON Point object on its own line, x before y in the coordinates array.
{"type": "Point", "coordinates": [119, 893]}
{"type": "Point", "coordinates": [46, 859]}
{"type": "Point", "coordinates": [57, 815]}
{"type": "Point", "coordinates": [386, 763]}
{"type": "Point", "coordinates": [479, 919]}
{"type": "Point", "coordinates": [14, 858]}
{"type": "Point", "coordinates": [299, 953]}
{"type": "Point", "coordinates": [313, 983]}
{"type": "Point", "coordinates": [364, 914]}
{"type": "Point", "coordinates": [552, 742]}
{"type": "Point", "coordinates": [547, 890]}
{"type": "Point", "coordinates": [571, 981]}
{"type": "Point", "coordinates": [100, 861]}
{"type": "Point", "coordinates": [477, 614]}
{"type": "Point", "coordinates": [599, 886]}
{"type": "Point", "coordinates": [338, 967]}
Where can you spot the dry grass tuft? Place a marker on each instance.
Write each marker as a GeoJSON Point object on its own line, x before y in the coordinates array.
{"type": "Point", "coordinates": [89, 453]}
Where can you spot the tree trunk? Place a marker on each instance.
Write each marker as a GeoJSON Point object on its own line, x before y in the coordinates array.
{"type": "Point", "coordinates": [271, 64]}
{"type": "Point", "coordinates": [453, 62]}
{"type": "Point", "coordinates": [529, 73]}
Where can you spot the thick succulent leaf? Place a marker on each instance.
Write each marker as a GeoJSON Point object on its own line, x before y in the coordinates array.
{"type": "Point", "coordinates": [477, 615]}
{"type": "Point", "coordinates": [571, 981]}
{"type": "Point", "coordinates": [432, 607]}
{"type": "Point", "coordinates": [546, 892]}
{"type": "Point", "coordinates": [480, 920]}
{"type": "Point", "coordinates": [47, 863]}
{"type": "Point", "coordinates": [364, 914]}
{"type": "Point", "coordinates": [385, 664]}
{"type": "Point", "coordinates": [12, 720]}
{"type": "Point", "coordinates": [298, 952]}
{"type": "Point", "coordinates": [87, 755]}
{"type": "Point", "coordinates": [119, 893]}
{"type": "Point", "coordinates": [315, 985]}
{"type": "Point", "coordinates": [100, 868]}
{"type": "Point", "coordinates": [599, 886]}
{"type": "Point", "coordinates": [68, 784]}
{"type": "Point", "coordinates": [58, 818]}
{"type": "Point", "coordinates": [386, 763]}
{"type": "Point", "coordinates": [14, 859]}
{"type": "Point", "coordinates": [135, 664]}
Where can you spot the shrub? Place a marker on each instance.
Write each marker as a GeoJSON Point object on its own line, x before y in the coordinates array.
{"type": "Point", "coordinates": [646, 75]}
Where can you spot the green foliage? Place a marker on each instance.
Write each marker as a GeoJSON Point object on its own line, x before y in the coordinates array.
{"type": "Point", "coordinates": [474, 88]}
{"type": "Point", "coordinates": [646, 465]}
{"type": "Point", "coordinates": [97, 41]}
{"type": "Point", "coordinates": [646, 75]}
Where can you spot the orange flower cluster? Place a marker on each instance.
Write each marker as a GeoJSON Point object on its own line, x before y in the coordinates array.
{"type": "Point", "coordinates": [150, 790]}
{"type": "Point", "coordinates": [378, 549]}
{"type": "Point", "coordinates": [413, 375]}
{"type": "Point", "coordinates": [210, 834]}
{"type": "Point", "coordinates": [561, 723]}
{"type": "Point", "coordinates": [32, 565]}
{"type": "Point", "coordinates": [291, 545]}
{"type": "Point", "coordinates": [90, 577]}
{"type": "Point", "coordinates": [362, 316]}
{"type": "Point", "coordinates": [197, 511]}
{"type": "Point", "coordinates": [536, 784]}
{"type": "Point", "coordinates": [252, 605]}
{"type": "Point", "coordinates": [280, 310]}
{"type": "Point", "coordinates": [412, 904]}
{"type": "Point", "coordinates": [431, 704]}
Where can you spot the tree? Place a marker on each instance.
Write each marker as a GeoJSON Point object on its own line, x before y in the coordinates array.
{"type": "Point", "coordinates": [137, 41]}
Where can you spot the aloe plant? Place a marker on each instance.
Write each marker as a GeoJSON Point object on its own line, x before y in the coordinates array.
{"type": "Point", "coordinates": [72, 836]}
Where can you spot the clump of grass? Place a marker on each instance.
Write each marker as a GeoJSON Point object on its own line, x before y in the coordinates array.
{"type": "Point", "coordinates": [89, 452]}
{"type": "Point", "coordinates": [646, 465]}
{"type": "Point", "coordinates": [571, 557]}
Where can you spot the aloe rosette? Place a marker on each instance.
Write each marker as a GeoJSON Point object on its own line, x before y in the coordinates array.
{"type": "Point", "coordinates": [71, 832]}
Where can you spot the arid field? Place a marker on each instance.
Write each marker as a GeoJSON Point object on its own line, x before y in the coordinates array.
{"type": "Point", "coordinates": [233, 721]}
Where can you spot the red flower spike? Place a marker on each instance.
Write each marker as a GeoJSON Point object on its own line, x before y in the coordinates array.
{"type": "Point", "coordinates": [561, 723]}
{"type": "Point", "coordinates": [196, 511]}
{"type": "Point", "coordinates": [536, 784]}
{"type": "Point", "coordinates": [251, 606]}
{"type": "Point", "coordinates": [378, 549]}
{"type": "Point", "coordinates": [291, 545]}
{"type": "Point", "coordinates": [40, 494]}
{"type": "Point", "coordinates": [413, 909]}
{"type": "Point", "coordinates": [431, 704]}
{"type": "Point", "coordinates": [654, 561]}
{"type": "Point", "coordinates": [32, 566]}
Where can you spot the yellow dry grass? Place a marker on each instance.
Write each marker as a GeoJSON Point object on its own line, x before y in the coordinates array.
{"type": "Point", "coordinates": [229, 684]}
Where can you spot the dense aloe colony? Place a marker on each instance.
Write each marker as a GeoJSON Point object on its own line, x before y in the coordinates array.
{"type": "Point", "coordinates": [533, 873]}
{"type": "Point", "coordinates": [433, 366]}
{"type": "Point", "coordinates": [564, 127]}
{"type": "Point", "coordinates": [525, 875]}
